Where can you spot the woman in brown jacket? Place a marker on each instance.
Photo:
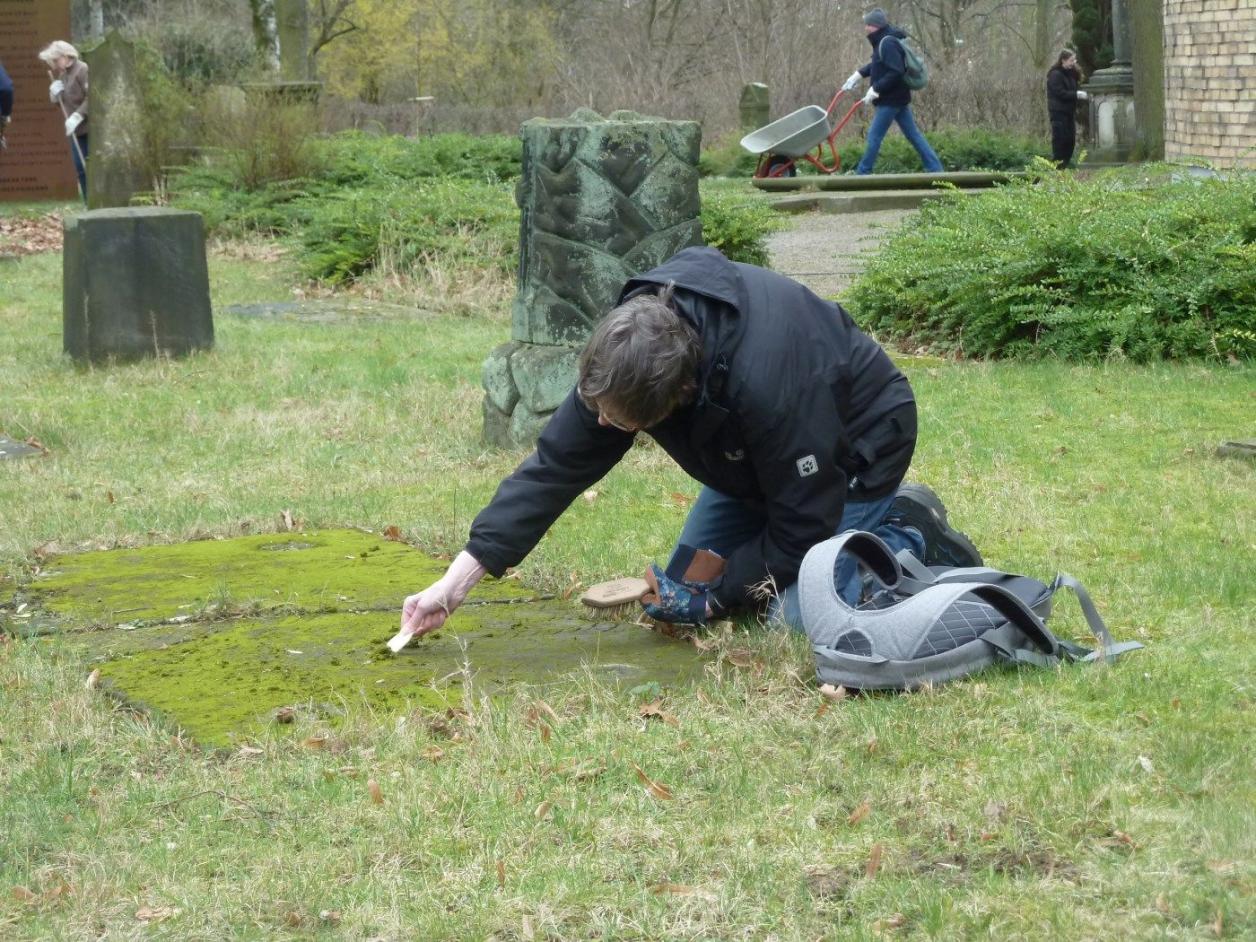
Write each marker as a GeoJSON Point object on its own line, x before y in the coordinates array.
{"type": "Point", "coordinates": [69, 89]}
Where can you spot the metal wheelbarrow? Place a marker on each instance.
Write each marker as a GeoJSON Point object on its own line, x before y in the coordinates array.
{"type": "Point", "coordinates": [800, 135]}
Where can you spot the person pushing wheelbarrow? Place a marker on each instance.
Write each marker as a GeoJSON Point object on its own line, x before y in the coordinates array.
{"type": "Point", "coordinates": [890, 92]}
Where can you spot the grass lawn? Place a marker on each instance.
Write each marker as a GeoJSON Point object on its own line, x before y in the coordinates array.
{"type": "Point", "coordinates": [1096, 802]}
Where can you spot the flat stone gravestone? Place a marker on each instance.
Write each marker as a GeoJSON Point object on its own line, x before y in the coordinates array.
{"type": "Point", "coordinates": [117, 137]}
{"type": "Point", "coordinates": [1240, 448]}
{"type": "Point", "coordinates": [218, 636]}
{"type": "Point", "coordinates": [323, 311]}
{"type": "Point", "coordinates": [601, 199]}
{"type": "Point", "coordinates": [135, 284]}
{"type": "Point", "coordinates": [11, 450]}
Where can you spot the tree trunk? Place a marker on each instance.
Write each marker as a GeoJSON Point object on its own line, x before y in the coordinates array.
{"type": "Point", "coordinates": [266, 31]}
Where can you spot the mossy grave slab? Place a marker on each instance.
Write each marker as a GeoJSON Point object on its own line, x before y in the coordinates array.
{"type": "Point", "coordinates": [306, 627]}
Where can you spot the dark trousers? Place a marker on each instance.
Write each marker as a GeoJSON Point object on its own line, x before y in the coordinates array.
{"type": "Point", "coordinates": [1063, 140]}
{"type": "Point", "coordinates": [79, 167]}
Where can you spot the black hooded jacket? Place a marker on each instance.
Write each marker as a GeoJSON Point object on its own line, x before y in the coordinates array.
{"type": "Point", "coordinates": [6, 93]}
{"type": "Point", "coordinates": [796, 407]}
{"type": "Point", "coordinates": [887, 67]}
{"type": "Point", "coordinates": [1061, 93]}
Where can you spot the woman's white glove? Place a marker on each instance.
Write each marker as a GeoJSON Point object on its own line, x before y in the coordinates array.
{"type": "Point", "coordinates": [72, 122]}
{"type": "Point", "coordinates": [871, 96]}
{"type": "Point", "coordinates": [55, 90]}
{"type": "Point", "coordinates": [428, 610]}
{"type": "Point", "coordinates": [1082, 96]}
{"type": "Point", "coordinates": [855, 78]}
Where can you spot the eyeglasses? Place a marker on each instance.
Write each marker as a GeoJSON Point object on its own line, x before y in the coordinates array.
{"type": "Point", "coordinates": [604, 419]}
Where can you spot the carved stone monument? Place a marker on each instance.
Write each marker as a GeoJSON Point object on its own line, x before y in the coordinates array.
{"type": "Point", "coordinates": [754, 107]}
{"type": "Point", "coordinates": [1113, 131]}
{"type": "Point", "coordinates": [135, 284]}
{"type": "Point", "coordinates": [36, 165]}
{"type": "Point", "coordinates": [117, 140]}
{"type": "Point", "coordinates": [601, 199]}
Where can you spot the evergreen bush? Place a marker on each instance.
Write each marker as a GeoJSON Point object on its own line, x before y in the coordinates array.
{"type": "Point", "coordinates": [1116, 266]}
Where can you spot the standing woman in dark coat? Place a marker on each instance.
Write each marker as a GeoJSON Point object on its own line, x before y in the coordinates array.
{"type": "Point", "coordinates": [1062, 98]}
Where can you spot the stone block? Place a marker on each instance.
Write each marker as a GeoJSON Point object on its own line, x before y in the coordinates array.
{"type": "Point", "coordinates": [499, 385]}
{"type": "Point", "coordinates": [754, 106]}
{"type": "Point", "coordinates": [526, 426]}
{"type": "Point", "coordinates": [135, 284]}
{"type": "Point", "coordinates": [496, 426]}
{"type": "Point", "coordinates": [544, 375]}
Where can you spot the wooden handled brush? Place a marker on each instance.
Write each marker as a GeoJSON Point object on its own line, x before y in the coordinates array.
{"type": "Point", "coordinates": [615, 600]}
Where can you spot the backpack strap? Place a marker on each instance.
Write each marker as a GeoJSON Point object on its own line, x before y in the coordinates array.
{"type": "Point", "coordinates": [1109, 649]}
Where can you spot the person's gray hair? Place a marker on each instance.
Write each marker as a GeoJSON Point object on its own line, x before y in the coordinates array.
{"type": "Point", "coordinates": [641, 362]}
{"type": "Point", "coordinates": [55, 50]}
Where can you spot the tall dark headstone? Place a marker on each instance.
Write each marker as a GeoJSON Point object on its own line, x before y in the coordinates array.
{"type": "Point", "coordinates": [37, 163]}
{"type": "Point", "coordinates": [601, 199]}
{"type": "Point", "coordinates": [135, 284]}
{"type": "Point", "coordinates": [754, 107]}
{"type": "Point", "coordinates": [117, 136]}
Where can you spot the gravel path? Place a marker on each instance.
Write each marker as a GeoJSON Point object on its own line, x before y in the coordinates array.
{"type": "Point", "coordinates": [824, 250]}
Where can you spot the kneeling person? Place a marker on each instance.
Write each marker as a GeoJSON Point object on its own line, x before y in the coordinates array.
{"type": "Point", "coordinates": [796, 422]}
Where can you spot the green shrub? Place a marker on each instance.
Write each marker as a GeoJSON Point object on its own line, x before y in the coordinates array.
{"type": "Point", "coordinates": [727, 159]}
{"type": "Point", "coordinates": [1055, 265]}
{"type": "Point", "coordinates": [737, 221]}
{"type": "Point", "coordinates": [445, 221]}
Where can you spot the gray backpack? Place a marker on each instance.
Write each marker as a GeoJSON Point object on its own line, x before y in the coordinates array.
{"type": "Point", "coordinates": [930, 626]}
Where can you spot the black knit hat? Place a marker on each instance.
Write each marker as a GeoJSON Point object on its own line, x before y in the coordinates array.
{"type": "Point", "coordinates": [876, 17]}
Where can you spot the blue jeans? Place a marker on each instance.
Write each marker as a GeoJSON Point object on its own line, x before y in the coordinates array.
{"type": "Point", "coordinates": [885, 116]}
{"type": "Point", "coordinates": [721, 523]}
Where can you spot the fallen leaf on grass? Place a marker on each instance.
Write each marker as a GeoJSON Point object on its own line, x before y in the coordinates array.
{"type": "Point", "coordinates": [896, 921]}
{"type": "Point", "coordinates": [871, 745]}
{"type": "Point", "coordinates": [287, 521]}
{"type": "Point", "coordinates": [680, 500]}
{"type": "Point", "coordinates": [24, 895]}
{"type": "Point", "coordinates": [677, 889]}
{"type": "Point", "coordinates": [740, 658]}
{"type": "Point", "coordinates": [542, 810]}
{"type": "Point", "coordinates": [155, 913]}
{"type": "Point", "coordinates": [329, 916]}
{"type": "Point", "coordinates": [822, 709]}
{"type": "Point", "coordinates": [293, 920]}
{"type": "Point", "coordinates": [654, 711]}
{"type": "Point", "coordinates": [93, 679]}
{"type": "Point", "coordinates": [376, 793]}
{"type": "Point", "coordinates": [250, 752]}
{"type": "Point", "coordinates": [285, 714]}
{"type": "Point", "coordinates": [660, 791]}
{"type": "Point", "coordinates": [589, 496]}
{"type": "Point", "coordinates": [874, 862]}
{"type": "Point", "coordinates": [314, 742]}
{"type": "Point", "coordinates": [864, 809]}
{"type": "Point", "coordinates": [501, 873]}
{"type": "Point", "coordinates": [433, 753]}
{"type": "Point", "coordinates": [393, 532]}
{"type": "Point", "coordinates": [1147, 766]}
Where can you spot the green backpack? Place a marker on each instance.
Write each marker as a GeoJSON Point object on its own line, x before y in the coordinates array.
{"type": "Point", "coordinates": [915, 72]}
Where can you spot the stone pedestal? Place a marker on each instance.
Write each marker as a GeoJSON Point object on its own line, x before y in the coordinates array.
{"type": "Point", "coordinates": [753, 108]}
{"type": "Point", "coordinates": [114, 169]}
{"type": "Point", "coordinates": [135, 284]}
{"type": "Point", "coordinates": [601, 199]}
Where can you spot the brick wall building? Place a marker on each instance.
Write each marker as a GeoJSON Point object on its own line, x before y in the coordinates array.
{"type": "Point", "coordinates": [1210, 81]}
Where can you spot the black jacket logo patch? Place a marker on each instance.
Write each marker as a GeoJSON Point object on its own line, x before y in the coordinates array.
{"type": "Point", "coordinates": [807, 466]}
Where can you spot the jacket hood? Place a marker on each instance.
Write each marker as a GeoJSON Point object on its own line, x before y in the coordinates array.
{"type": "Point", "coordinates": [875, 38]}
{"type": "Point", "coordinates": [699, 269]}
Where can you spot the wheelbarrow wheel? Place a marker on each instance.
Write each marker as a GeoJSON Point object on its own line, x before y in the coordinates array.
{"type": "Point", "coordinates": [779, 166]}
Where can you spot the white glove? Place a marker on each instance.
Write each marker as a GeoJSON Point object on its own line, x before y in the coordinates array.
{"type": "Point", "coordinates": [871, 96]}
{"type": "Point", "coordinates": [1082, 96]}
{"type": "Point", "coordinates": [55, 90]}
{"type": "Point", "coordinates": [851, 82]}
{"type": "Point", "coordinates": [72, 122]}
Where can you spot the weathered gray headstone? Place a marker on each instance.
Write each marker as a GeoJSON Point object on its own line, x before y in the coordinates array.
{"type": "Point", "coordinates": [115, 172]}
{"type": "Point", "coordinates": [135, 284]}
{"type": "Point", "coordinates": [754, 107]}
{"type": "Point", "coordinates": [601, 199]}
{"type": "Point", "coordinates": [293, 21]}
